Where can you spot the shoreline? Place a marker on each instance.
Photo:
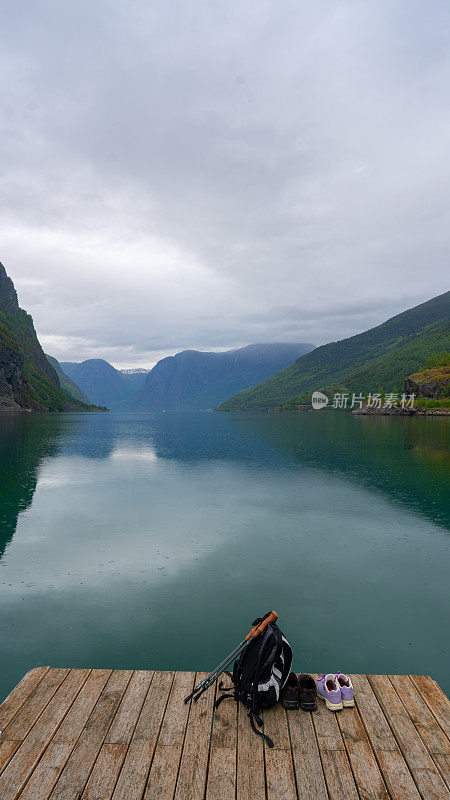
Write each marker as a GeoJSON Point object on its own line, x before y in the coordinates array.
{"type": "Point", "coordinates": [402, 412]}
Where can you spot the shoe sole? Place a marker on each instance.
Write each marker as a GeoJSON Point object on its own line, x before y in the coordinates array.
{"type": "Point", "coordinates": [348, 703]}
{"type": "Point", "coordinates": [329, 705]}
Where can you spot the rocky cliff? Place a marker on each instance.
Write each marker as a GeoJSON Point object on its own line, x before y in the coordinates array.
{"type": "Point", "coordinates": [12, 384]}
{"type": "Point", "coordinates": [432, 383]}
{"type": "Point", "coordinates": [27, 380]}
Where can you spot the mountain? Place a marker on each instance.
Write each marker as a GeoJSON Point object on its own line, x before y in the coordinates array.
{"type": "Point", "coordinates": [189, 379]}
{"type": "Point", "coordinates": [102, 383]}
{"type": "Point", "coordinates": [376, 359]}
{"type": "Point", "coordinates": [27, 379]}
{"type": "Point", "coordinates": [66, 384]}
{"type": "Point", "coordinates": [196, 380]}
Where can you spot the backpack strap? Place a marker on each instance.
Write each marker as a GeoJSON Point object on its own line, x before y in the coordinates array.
{"type": "Point", "coordinates": [253, 712]}
{"type": "Point", "coordinates": [287, 654]}
{"type": "Point", "coordinates": [223, 697]}
{"type": "Point", "coordinates": [267, 634]}
{"type": "Point", "coordinates": [223, 688]}
{"type": "Point", "coordinates": [270, 631]}
{"type": "Point", "coordinates": [252, 716]}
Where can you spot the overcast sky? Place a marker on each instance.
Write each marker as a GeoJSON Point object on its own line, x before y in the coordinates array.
{"type": "Point", "coordinates": [208, 174]}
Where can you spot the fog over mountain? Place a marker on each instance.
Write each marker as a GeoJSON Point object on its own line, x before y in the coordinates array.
{"type": "Point", "coordinates": [204, 175]}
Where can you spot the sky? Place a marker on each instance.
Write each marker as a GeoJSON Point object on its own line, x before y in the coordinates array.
{"type": "Point", "coordinates": [205, 175]}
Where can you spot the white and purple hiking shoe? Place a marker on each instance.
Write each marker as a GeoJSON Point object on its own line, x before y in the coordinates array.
{"type": "Point", "coordinates": [329, 690]}
{"type": "Point", "coordinates": [346, 688]}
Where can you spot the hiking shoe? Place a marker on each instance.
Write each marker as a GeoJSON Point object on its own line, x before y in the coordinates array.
{"type": "Point", "coordinates": [329, 690]}
{"type": "Point", "coordinates": [307, 692]}
{"type": "Point", "coordinates": [346, 688]}
{"type": "Point", "coordinates": [289, 692]}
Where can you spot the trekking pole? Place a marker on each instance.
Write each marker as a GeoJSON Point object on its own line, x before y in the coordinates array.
{"type": "Point", "coordinates": [255, 631]}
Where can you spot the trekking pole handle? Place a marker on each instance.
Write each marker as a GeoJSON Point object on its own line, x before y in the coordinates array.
{"type": "Point", "coordinates": [262, 626]}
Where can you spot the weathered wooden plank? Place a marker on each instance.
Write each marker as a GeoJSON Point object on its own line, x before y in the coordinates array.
{"type": "Point", "coordinates": [191, 780]}
{"type": "Point", "coordinates": [280, 777]}
{"type": "Point", "coordinates": [136, 767]}
{"type": "Point", "coordinates": [164, 770]}
{"type": "Point", "coordinates": [75, 774]}
{"type": "Point", "coordinates": [435, 699]}
{"type": "Point", "coordinates": [336, 766]}
{"type": "Point", "coordinates": [104, 777]}
{"type": "Point", "coordinates": [106, 770]}
{"type": "Point", "coordinates": [420, 763]}
{"type": "Point", "coordinates": [35, 705]}
{"type": "Point", "coordinates": [49, 768]}
{"type": "Point", "coordinates": [250, 774]}
{"type": "Point", "coordinates": [307, 763]}
{"type": "Point", "coordinates": [375, 722]}
{"type": "Point", "coordinates": [222, 759]}
{"type": "Point", "coordinates": [16, 774]}
{"type": "Point", "coordinates": [23, 721]}
{"type": "Point", "coordinates": [174, 724]}
{"type": "Point", "coordinates": [443, 764]}
{"type": "Point", "coordinates": [7, 750]}
{"type": "Point", "coordinates": [19, 695]}
{"type": "Point", "coordinates": [419, 712]}
{"type": "Point", "coordinates": [130, 708]}
{"type": "Point", "coordinates": [97, 686]}
{"type": "Point", "coordinates": [430, 732]}
{"type": "Point", "coordinates": [365, 769]}
{"type": "Point", "coordinates": [395, 771]}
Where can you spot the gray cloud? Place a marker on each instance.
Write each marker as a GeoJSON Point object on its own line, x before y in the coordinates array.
{"type": "Point", "coordinates": [209, 174]}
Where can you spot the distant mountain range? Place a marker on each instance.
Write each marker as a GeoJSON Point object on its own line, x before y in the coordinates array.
{"type": "Point", "coordinates": [27, 379]}
{"type": "Point", "coordinates": [187, 380]}
{"type": "Point", "coordinates": [103, 383]}
{"type": "Point", "coordinates": [380, 358]}
{"type": "Point", "coordinates": [256, 377]}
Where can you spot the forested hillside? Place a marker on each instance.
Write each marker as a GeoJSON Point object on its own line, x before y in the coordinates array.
{"type": "Point", "coordinates": [379, 358]}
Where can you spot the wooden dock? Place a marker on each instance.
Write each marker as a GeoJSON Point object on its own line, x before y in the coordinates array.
{"type": "Point", "coordinates": [72, 734]}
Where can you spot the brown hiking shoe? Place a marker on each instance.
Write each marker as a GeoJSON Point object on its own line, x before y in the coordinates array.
{"type": "Point", "coordinates": [307, 692]}
{"type": "Point", "coordinates": [289, 692]}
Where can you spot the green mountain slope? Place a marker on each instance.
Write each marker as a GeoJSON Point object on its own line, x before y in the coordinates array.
{"type": "Point", "coordinates": [27, 379]}
{"type": "Point", "coordinates": [67, 384]}
{"type": "Point", "coordinates": [378, 358]}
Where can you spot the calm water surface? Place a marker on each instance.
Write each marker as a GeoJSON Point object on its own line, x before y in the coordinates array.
{"type": "Point", "coordinates": [134, 540]}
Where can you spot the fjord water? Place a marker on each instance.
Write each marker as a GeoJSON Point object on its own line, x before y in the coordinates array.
{"type": "Point", "coordinates": [153, 540]}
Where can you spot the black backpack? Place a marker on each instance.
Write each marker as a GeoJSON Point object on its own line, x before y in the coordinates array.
{"type": "Point", "coordinates": [260, 673]}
